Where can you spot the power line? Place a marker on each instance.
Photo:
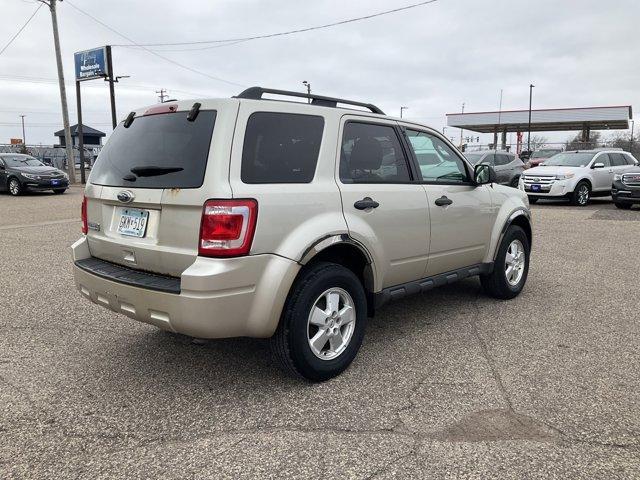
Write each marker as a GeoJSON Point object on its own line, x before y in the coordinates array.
{"type": "Point", "coordinates": [193, 70]}
{"type": "Point", "coordinates": [232, 41]}
{"type": "Point", "coordinates": [127, 86]}
{"type": "Point", "coordinates": [21, 29]}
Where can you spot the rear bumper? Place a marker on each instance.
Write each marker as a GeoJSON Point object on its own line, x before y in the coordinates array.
{"type": "Point", "coordinates": [218, 297]}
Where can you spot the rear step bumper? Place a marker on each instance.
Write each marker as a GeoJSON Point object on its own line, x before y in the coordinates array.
{"type": "Point", "coordinates": [129, 276]}
{"type": "Point", "coordinates": [213, 298]}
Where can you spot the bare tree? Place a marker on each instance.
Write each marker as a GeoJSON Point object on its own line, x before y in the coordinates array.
{"type": "Point", "coordinates": [576, 143]}
{"type": "Point", "coordinates": [538, 141]}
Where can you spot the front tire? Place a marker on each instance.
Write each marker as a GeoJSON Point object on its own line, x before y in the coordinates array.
{"type": "Point", "coordinates": [533, 200]}
{"type": "Point", "coordinates": [623, 206]}
{"type": "Point", "coordinates": [322, 324]}
{"type": "Point", "coordinates": [514, 183]}
{"type": "Point", "coordinates": [581, 195]}
{"type": "Point", "coordinates": [15, 188]}
{"type": "Point", "coordinates": [511, 267]}
{"type": "Point", "coordinates": [59, 191]}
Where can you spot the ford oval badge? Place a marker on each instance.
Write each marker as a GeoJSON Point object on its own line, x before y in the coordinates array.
{"type": "Point", "coordinates": [125, 196]}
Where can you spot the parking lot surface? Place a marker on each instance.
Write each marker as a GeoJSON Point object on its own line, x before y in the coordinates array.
{"type": "Point", "coordinates": [450, 384]}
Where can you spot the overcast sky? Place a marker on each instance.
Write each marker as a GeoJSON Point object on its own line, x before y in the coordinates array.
{"type": "Point", "coordinates": [430, 58]}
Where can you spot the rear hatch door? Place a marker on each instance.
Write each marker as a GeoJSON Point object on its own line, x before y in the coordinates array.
{"type": "Point", "coordinates": [149, 184]}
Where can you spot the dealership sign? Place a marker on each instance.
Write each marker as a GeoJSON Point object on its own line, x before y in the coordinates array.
{"type": "Point", "coordinates": [91, 64]}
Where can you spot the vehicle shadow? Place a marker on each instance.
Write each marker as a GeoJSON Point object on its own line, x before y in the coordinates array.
{"type": "Point", "coordinates": [220, 363]}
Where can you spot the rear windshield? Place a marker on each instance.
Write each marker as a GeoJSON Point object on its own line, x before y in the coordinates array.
{"type": "Point", "coordinates": [157, 151]}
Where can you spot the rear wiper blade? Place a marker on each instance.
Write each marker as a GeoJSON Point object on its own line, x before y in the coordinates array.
{"type": "Point", "coordinates": [153, 171]}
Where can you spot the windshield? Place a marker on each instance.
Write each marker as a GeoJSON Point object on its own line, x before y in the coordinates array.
{"type": "Point", "coordinates": [570, 160]}
{"type": "Point", "coordinates": [474, 158]}
{"type": "Point", "coordinates": [22, 161]}
{"type": "Point", "coordinates": [157, 151]}
{"type": "Point", "coordinates": [544, 153]}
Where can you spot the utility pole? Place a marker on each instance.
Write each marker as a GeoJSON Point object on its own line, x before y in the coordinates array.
{"type": "Point", "coordinates": [403, 109]}
{"type": "Point", "coordinates": [631, 138]}
{"type": "Point", "coordinates": [308, 85]}
{"type": "Point", "coordinates": [162, 94]}
{"type": "Point", "coordinates": [529, 135]}
{"type": "Point", "coordinates": [24, 138]}
{"type": "Point", "coordinates": [111, 79]}
{"type": "Point", "coordinates": [63, 93]}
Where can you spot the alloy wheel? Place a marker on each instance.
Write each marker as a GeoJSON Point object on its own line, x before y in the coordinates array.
{"type": "Point", "coordinates": [515, 262]}
{"type": "Point", "coordinates": [14, 187]}
{"type": "Point", "coordinates": [331, 323]}
{"type": "Point", "coordinates": [583, 195]}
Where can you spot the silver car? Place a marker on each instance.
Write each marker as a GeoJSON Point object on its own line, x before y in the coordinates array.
{"type": "Point", "coordinates": [508, 166]}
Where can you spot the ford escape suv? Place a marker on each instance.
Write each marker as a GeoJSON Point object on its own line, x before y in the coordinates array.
{"type": "Point", "coordinates": [251, 216]}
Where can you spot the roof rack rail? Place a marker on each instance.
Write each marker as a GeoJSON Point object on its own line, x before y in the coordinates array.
{"type": "Point", "coordinates": [255, 93]}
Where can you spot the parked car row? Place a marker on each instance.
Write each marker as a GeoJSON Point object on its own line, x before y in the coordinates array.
{"type": "Point", "coordinates": [580, 175]}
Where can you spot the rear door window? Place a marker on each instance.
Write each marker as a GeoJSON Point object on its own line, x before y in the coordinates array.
{"type": "Point", "coordinates": [372, 153]}
{"type": "Point", "coordinates": [281, 148]}
{"type": "Point", "coordinates": [502, 159]}
{"type": "Point", "coordinates": [617, 160]}
{"type": "Point", "coordinates": [157, 151]}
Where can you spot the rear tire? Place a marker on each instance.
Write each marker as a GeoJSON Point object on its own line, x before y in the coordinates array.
{"type": "Point", "coordinates": [59, 191]}
{"type": "Point", "coordinates": [511, 267]}
{"type": "Point", "coordinates": [15, 188]}
{"type": "Point", "coordinates": [322, 324]}
{"type": "Point", "coordinates": [581, 195]}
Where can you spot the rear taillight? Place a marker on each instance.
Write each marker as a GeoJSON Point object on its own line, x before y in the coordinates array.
{"type": "Point", "coordinates": [83, 215]}
{"type": "Point", "coordinates": [227, 227]}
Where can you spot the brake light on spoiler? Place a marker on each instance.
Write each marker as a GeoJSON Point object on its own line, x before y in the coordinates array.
{"type": "Point", "coordinates": [227, 227]}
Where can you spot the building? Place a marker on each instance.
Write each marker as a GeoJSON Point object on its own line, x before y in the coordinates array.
{"type": "Point", "coordinates": [90, 136]}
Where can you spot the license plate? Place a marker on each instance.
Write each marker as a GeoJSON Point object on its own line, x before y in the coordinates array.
{"type": "Point", "coordinates": [133, 222]}
{"type": "Point", "coordinates": [535, 188]}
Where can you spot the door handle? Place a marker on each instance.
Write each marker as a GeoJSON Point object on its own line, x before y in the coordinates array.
{"type": "Point", "coordinates": [443, 201]}
{"type": "Point", "coordinates": [366, 202]}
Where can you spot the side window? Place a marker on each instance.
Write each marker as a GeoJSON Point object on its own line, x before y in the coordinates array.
{"type": "Point", "coordinates": [372, 154]}
{"type": "Point", "coordinates": [438, 162]}
{"type": "Point", "coordinates": [617, 160]}
{"type": "Point", "coordinates": [489, 159]}
{"type": "Point", "coordinates": [281, 148]}
{"type": "Point", "coordinates": [629, 159]}
{"type": "Point", "coordinates": [502, 159]}
{"type": "Point", "coordinates": [603, 158]}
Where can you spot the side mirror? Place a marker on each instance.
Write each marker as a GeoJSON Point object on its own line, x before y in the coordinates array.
{"type": "Point", "coordinates": [483, 174]}
{"type": "Point", "coordinates": [598, 165]}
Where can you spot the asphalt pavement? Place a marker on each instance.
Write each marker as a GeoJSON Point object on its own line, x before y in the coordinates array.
{"type": "Point", "coordinates": [450, 384]}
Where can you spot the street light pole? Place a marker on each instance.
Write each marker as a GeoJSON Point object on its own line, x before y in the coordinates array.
{"type": "Point", "coordinates": [24, 138]}
{"type": "Point", "coordinates": [530, 100]}
{"type": "Point", "coordinates": [308, 85]}
{"type": "Point", "coordinates": [403, 109]}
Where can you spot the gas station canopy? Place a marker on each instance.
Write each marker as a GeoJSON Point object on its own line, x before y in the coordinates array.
{"type": "Point", "coordinates": [545, 120]}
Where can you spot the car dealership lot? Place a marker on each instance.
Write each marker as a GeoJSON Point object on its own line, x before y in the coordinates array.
{"type": "Point", "coordinates": [447, 383]}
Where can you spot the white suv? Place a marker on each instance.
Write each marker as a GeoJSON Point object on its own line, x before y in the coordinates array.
{"type": "Point", "coordinates": [296, 221]}
{"type": "Point", "coordinates": [577, 175]}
